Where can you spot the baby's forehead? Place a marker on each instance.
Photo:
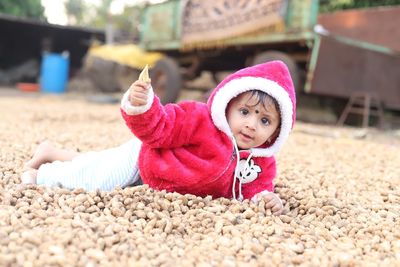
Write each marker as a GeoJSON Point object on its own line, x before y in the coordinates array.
{"type": "Point", "coordinates": [243, 97]}
{"type": "Point", "coordinates": [248, 98]}
{"type": "Point", "coordinates": [265, 105]}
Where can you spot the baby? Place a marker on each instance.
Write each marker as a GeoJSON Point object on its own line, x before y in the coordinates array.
{"type": "Point", "coordinates": [224, 148]}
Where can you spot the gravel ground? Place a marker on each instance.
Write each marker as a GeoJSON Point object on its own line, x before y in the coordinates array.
{"type": "Point", "coordinates": [339, 187]}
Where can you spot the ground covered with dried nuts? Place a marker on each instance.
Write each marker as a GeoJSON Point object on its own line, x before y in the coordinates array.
{"type": "Point", "coordinates": [340, 190]}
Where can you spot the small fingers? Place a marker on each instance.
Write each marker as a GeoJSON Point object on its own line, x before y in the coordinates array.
{"type": "Point", "coordinates": [139, 89]}
{"type": "Point", "coordinates": [138, 102]}
{"type": "Point", "coordinates": [139, 94]}
{"type": "Point", "coordinates": [138, 99]}
{"type": "Point", "coordinates": [273, 203]}
{"type": "Point", "coordinates": [276, 207]}
{"type": "Point", "coordinates": [141, 84]}
{"type": "Point", "coordinates": [269, 204]}
{"type": "Point", "coordinates": [278, 212]}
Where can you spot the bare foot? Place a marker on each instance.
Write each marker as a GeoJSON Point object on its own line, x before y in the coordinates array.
{"type": "Point", "coordinates": [42, 155]}
{"type": "Point", "coordinates": [29, 177]}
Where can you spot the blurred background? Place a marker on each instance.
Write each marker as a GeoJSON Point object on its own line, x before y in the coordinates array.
{"type": "Point", "coordinates": [343, 55]}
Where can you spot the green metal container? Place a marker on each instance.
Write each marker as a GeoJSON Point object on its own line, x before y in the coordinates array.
{"type": "Point", "coordinates": [161, 26]}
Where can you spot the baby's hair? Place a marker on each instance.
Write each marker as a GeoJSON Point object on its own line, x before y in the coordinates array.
{"type": "Point", "coordinates": [265, 99]}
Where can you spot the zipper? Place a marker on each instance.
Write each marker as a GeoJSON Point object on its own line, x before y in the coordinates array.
{"type": "Point", "coordinates": [224, 171]}
{"type": "Point", "coordinates": [227, 167]}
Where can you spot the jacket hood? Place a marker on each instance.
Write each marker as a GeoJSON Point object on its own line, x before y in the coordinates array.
{"type": "Point", "coordinates": [272, 78]}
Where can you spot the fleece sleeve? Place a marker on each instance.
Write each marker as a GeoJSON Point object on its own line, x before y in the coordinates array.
{"type": "Point", "coordinates": [264, 183]}
{"type": "Point", "coordinates": [169, 126]}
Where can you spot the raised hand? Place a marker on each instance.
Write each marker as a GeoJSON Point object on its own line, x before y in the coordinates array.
{"type": "Point", "coordinates": [138, 93]}
{"type": "Point", "coordinates": [139, 89]}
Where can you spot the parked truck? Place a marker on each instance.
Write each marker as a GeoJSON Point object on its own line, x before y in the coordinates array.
{"type": "Point", "coordinates": [351, 52]}
{"type": "Point", "coordinates": [283, 30]}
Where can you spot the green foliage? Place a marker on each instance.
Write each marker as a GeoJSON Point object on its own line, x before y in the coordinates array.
{"type": "Point", "coordinates": [23, 8]}
{"type": "Point", "coordinates": [333, 5]}
{"type": "Point", "coordinates": [98, 16]}
{"type": "Point", "coordinates": [75, 10]}
{"type": "Point", "coordinates": [129, 20]}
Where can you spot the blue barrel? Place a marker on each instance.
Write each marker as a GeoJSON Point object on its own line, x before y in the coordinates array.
{"type": "Point", "coordinates": [54, 73]}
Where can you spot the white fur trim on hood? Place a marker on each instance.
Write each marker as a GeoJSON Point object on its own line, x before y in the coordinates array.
{"type": "Point", "coordinates": [240, 85]}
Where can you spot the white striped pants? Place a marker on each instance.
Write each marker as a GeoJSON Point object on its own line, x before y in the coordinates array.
{"type": "Point", "coordinates": [102, 170]}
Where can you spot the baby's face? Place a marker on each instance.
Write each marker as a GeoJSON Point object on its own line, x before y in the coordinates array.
{"type": "Point", "coordinates": [251, 123]}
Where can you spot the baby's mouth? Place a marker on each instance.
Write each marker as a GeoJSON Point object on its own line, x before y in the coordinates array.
{"type": "Point", "coordinates": [246, 136]}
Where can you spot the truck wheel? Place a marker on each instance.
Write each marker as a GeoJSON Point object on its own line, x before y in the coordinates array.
{"type": "Point", "coordinates": [166, 80]}
{"type": "Point", "coordinates": [277, 55]}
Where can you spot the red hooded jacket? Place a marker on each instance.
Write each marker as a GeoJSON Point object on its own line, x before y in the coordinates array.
{"type": "Point", "coordinates": [189, 148]}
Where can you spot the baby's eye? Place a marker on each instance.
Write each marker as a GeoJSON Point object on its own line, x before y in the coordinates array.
{"type": "Point", "coordinates": [244, 111]}
{"type": "Point", "coordinates": [265, 121]}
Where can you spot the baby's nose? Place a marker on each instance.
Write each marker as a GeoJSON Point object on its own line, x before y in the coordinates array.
{"type": "Point", "coordinates": [251, 123]}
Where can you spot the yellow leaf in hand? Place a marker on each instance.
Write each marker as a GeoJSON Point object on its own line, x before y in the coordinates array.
{"type": "Point", "coordinates": [144, 75]}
